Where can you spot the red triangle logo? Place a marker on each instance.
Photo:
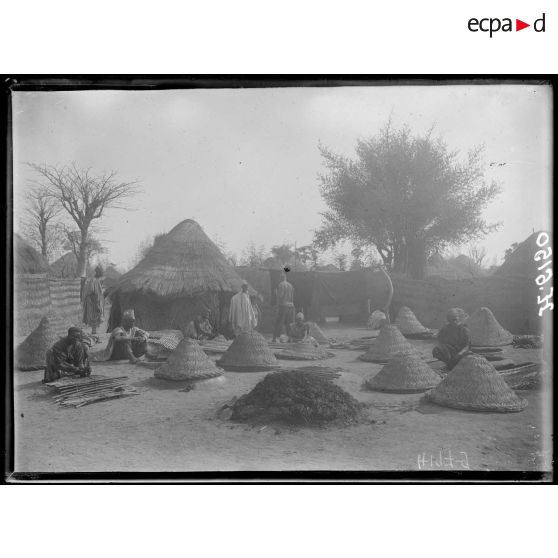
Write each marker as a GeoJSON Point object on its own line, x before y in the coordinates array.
{"type": "Point", "coordinates": [519, 25]}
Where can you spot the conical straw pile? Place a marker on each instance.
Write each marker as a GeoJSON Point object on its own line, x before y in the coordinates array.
{"type": "Point", "coordinates": [318, 334]}
{"type": "Point", "coordinates": [188, 362]}
{"type": "Point", "coordinates": [389, 342]}
{"type": "Point", "coordinates": [32, 352]}
{"type": "Point", "coordinates": [404, 374]}
{"type": "Point", "coordinates": [249, 352]}
{"type": "Point", "coordinates": [486, 331]}
{"type": "Point", "coordinates": [408, 324]}
{"type": "Point", "coordinates": [475, 385]}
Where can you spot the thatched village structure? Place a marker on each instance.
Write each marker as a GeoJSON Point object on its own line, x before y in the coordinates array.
{"type": "Point", "coordinates": [182, 274]}
{"type": "Point", "coordinates": [27, 261]}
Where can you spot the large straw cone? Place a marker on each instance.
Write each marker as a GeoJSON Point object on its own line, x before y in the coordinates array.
{"type": "Point", "coordinates": [475, 385]}
{"type": "Point", "coordinates": [404, 374]}
{"type": "Point", "coordinates": [318, 334]}
{"type": "Point", "coordinates": [407, 322]}
{"type": "Point", "coordinates": [303, 351]}
{"type": "Point", "coordinates": [389, 342]}
{"type": "Point", "coordinates": [248, 352]}
{"type": "Point", "coordinates": [32, 352]}
{"type": "Point", "coordinates": [486, 331]}
{"type": "Point", "coordinates": [188, 362]}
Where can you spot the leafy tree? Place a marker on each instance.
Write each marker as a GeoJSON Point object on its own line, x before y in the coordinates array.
{"type": "Point", "coordinates": [72, 242]}
{"type": "Point", "coordinates": [308, 255]}
{"type": "Point", "coordinates": [85, 198]}
{"type": "Point", "coordinates": [406, 195]}
{"type": "Point", "coordinates": [283, 253]}
{"type": "Point", "coordinates": [340, 261]}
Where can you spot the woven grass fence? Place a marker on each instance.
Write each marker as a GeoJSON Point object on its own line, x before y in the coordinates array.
{"type": "Point", "coordinates": [36, 296]}
{"type": "Point", "coordinates": [513, 300]}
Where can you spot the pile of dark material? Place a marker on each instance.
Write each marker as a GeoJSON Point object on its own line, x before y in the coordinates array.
{"type": "Point", "coordinates": [297, 398]}
{"type": "Point", "coordinates": [527, 341]}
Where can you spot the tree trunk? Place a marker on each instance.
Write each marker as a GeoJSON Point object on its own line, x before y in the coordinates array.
{"type": "Point", "coordinates": [82, 256]}
{"type": "Point", "coordinates": [417, 259]}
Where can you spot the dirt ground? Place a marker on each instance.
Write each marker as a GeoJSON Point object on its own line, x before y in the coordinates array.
{"type": "Point", "coordinates": [165, 430]}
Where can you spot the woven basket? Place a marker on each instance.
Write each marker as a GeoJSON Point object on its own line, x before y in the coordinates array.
{"type": "Point", "coordinates": [475, 385]}
{"type": "Point", "coordinates": [408, 324]}
{"type": "Point", "coordinates": [188, 362]}
{"type": "Point", "coordinates": [303, 351]}
{"type": "Point", "coordinates": [389, 343]}
{"type": "Point", "coordinates": [31, 354]}
{"type": "Point", "coordinates": [249, 352]}
{"type": "Point", "coordinates": [486, 331]}
{"type": "Point", "coordinates": [404, 374]}
{"type": "Point", "coordinates": [318, 334]}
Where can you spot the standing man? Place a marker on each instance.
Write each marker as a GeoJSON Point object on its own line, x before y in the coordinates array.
{"type": "Point", "coordinates": [285, 306]}
{"type": "Point", "coordinates": [241, 314]}
{"type": "Point", "coordinates": [92, 300]}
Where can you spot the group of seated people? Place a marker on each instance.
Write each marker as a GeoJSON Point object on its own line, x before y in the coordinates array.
{"type": "Point", "coordinates": [70, 355]}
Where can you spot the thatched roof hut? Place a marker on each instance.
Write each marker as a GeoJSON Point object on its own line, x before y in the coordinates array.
{"type": "Point", "coordinates": [183, 273]}
{"type": "Point", "coordinates": [26, 259]}
{"type": "Point", "coordinates": [521, 263]}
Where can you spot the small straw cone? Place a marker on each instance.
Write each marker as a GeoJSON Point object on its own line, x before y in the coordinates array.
{"type": "Point", "coordinates": [475, 385]}
{"type": "Point", "coordinates": [31, 353]}
{"type": "Point", "coordinates": [303, 351]}
{"type": "Point", "coordinates": [404, 374]}
{"type": "Point", "coordinates": [188, 362]}
{"type": "Point", "coordinates": [389, 342]}
{"type": "Point", "coordinates": [486, 331]}
{"type": "Point", "coordinates": [318, 334]}
{"type": "Point", "coordinates": [248, 352]}
{"type": "Point", "coordinates": [407, 322]}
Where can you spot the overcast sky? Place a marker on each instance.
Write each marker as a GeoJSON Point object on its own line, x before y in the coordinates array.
{"type": "Point", "coordinates": [243, 163]}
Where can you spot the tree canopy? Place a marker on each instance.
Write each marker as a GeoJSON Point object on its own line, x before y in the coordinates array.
{"type": "Point", "coordinates": [406, 195]}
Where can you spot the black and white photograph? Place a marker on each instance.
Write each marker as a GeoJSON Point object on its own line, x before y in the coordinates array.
{"type": "Point", "coordinates": [259, 278]}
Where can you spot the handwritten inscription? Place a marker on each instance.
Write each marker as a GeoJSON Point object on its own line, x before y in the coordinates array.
{"type": "Point", "coordinates": [444, 459]}
{"type": "Point", "coordinates": [543, 278]}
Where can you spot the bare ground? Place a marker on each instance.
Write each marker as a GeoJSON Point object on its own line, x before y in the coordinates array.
{"type": "Point", "coordinates": [165, 430]}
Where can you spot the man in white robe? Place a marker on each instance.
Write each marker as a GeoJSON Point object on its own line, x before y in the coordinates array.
{"type": "Point", "coordinates": [241, 315]}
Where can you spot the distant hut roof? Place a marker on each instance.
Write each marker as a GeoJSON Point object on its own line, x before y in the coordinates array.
{"type": "Point", "coordinates": [183, 262]}
{"type": "Point", "coordinates": [26, 259]}
{"type": "Point", "coordinates": [520, 262]}
{"type": "Point", "coordinates": [65, 266]}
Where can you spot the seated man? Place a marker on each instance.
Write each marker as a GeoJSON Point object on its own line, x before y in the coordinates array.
{"type": "Point", "coordinates": [299, 330]}
{"type": "Point", "coordinates": [454, 340]}
{"type": "Point", "coordinates": [67, 357]}
{"type": "Point", "coordinates": [200, 328]}
{"type": "Point", "coordinates": [126, 341]}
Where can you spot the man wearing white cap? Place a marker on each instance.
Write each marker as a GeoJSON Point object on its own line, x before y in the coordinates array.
{"type": "Point", "coordinates": [241, 314]}
{"type": "Point", "coordinates": [299, 330]}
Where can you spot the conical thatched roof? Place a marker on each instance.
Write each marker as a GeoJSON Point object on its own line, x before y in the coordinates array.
{"type": "Point", "coordinates": [407, 322]}
{"type": "Point", "coordinates": [520, 262]}
{"type": "Point", "coordinates": [475, 385]}
{"type": "Point", "coordinates": [404, 374]}
{"type": "Point", "coordinates": [32, 352]}
{"type": "Point", "coordinates": [26, 259]}
{"type": "Point", "coordinates": [303, 351]}
{"type": "Point", "coordinates": [318, 334]}
{"type": "Point", "coordinates": [188, 362]}
{"type": "Point", "coordinates": [389, 342]}
{"type": "Point", "coordinates": [183, 262]}
{"type": "Point", "coordinates": [248, 352]}
{"type": "Point", "coordinates": [486, 331]}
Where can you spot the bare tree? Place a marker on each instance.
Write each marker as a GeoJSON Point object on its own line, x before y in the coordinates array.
{"type": "Point", "coordinates": [40, 212]}
{"type": "Point", "coordinates": [477, 254]}
{"type": "Point", "coordinates": [72, 242]}
{"type": "Point", "coordinates": [85, 197]}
